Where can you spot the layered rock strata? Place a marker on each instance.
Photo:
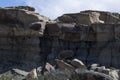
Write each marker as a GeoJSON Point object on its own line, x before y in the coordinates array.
{"type": "Point", "coordinates": [93, 36]}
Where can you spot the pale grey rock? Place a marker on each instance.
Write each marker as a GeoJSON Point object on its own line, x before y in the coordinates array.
{"type": "Point", "coordinates": [21, 72]}
{"type": "Point", "coordinates": [63, 65]}
{"type": "Point", "coordinates": [49, 67]}
{"type": "Point", "coordinates": [78, 64]}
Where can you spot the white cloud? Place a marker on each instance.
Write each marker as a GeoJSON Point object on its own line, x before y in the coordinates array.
{"type": "Point", "coordinates": [55, 8]}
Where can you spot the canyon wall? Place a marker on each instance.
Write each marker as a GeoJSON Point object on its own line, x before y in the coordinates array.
{"type": "Point", "coordinates": [26, 36]}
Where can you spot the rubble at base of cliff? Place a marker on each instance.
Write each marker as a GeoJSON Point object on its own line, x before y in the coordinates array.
{"type": "Point", "coordinates": [77, 46]}
{"type": "Point", "coordinates": [75, 69]}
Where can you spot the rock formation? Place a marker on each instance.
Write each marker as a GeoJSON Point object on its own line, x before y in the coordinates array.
{"type": "Point", "coordinates": [19, 41]}
{"type": "Point", "coordinates": [92, 35]}
{"type": "Point", "coordinates": [28, 38]}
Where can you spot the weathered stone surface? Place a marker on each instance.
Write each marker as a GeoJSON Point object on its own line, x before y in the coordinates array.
{"type": "Point", "coordinates": [32, 75]}
{"type": "Point", "coordinates": [104, 32]}
{"type": "Point", "coordinates": [63, 65]}
{"type": "Point", "coordinates": [91, 75]}
{"type": "Point", "coordinates": [117, 31]}
{"type": "Point", "coordinates": [114, 74]}
{"type": "Point", "coordinates": [106, 71]}
{"type": "Point", "coordinates": [65, 54]}
{"type": "Point", "coordinates": [23, 7]}
{"type": "Point", "coordinates": [17, 31]}
{"type": "Point", "coordinates": [38, 26]}
{"type": "Point", "coordinates": [19, 43]}
{"type": "Point", "coordinates": [78, 64]}
{"type": "Point", "coordinates": [57, 75]}
{"type": "Point", "coordinates": [52, 29]}
{"type": "Point", "coordinates": [82, 18]}
{"type": "Point", "coordinates": [21, 72]}
{"type": "Point", "coordinates": [107, 17]}
{"type": "Point", "coordinates": [111, 72]}
{"type": "Point", "coordinates": [49, 67]}
{"type": "Point", "coordinates": [22, 16]}
{"type": "Point", "coordinates": [92, 36]}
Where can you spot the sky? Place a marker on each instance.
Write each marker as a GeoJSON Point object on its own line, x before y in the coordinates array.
{"type": "Point", "coordinates": [55, 8]}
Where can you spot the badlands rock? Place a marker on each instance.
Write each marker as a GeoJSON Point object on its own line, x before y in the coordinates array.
{"type": "Point", "coordinates": [78, 64]}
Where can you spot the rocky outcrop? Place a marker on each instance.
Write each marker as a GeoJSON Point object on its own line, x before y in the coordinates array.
{"type": "Point", "coordinates": [97, 43]}
{"type": "Point", "coordinates": [91, 36]}
{"type": "Point", "coordinates": [81, 18]}
{"type": "Point", "coordinates": [78, 64]}
{"type": "Point", "coordinates": [19, 41]}
{"type": "Point", "coordinates": [65, 71]}
{"type": "Point", "coordinates": [88, 17]}
{"type": "Point", "coordinates": [22, 7]}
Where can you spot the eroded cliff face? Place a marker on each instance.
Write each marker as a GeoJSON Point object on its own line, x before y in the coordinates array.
{"type": "Point", "coordinates": [92, 35]}
{"type": "Point", "coordinates": [26, 36]}
{"type": "Point", "coordinates": [19, 39]}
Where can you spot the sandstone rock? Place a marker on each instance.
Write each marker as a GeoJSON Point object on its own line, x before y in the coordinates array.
{"type": "Point", "coordinates": [93, 66]}
{"type": "Point", "coordinates": [39, 69]}
{"type": "Point", "coordinates": [91, 75]}
{"type": "Point", "coordinates": [117, 31]}
{"type": "Point", "coordinates": [52, 29]}
{"type": "Point", "coordinates": [119, 74]}
{"type": "Point", "coordinates": [18, 42]}
{"type": "Point", "coordinates": [107, 17]}
{"type": "Point", "coordinates": [104, 32]}
{"type": "Point", "coordinates": [23, 7]}
{"type": "Point", "coordinates": [82, 18]}
{"type": "Point", "coordinates": [49, 67]}
{"type": "Point", "coordinates": [38, 26]}
{"type": "Point", "coordinates": [17, 31]}
{"type": "Point", "coordinates": [68, 31]}
{"type": "Point", "coordinates": [78, 64]}
{"type": "Point", "coordinates": [82, 32]}
{"type": "Point", "coordinates": [114, 74]}
{"type": "Point", "coordinates": [105, 57]}
{"type": "Point", "coordinates": [89, 17]}
{"type": "Point", "coordinates": [106, 71]}
{"type": "Point", "coordinates": [32, 74]}
{"type": "Point", "coordinates": [57, 75]}
{"type": "Point", "coordinates": [80, 74]}
{"type": "Point", "coordinates": [100, 69]}
{"type": "Point", "coordinates": [63, 65]}
{"type": "Point", "coordinates": [65, 19]}
{"type": "Point", "coordinates": [95, 17]}
{"type": "Point", "coordinates": [59, 29]}
{"type": "Point", "coordinates": [22, 16]}
{"type": "Point", "coordinates": [65, 54]}
{"type": "Point", "coordinates": [75, 18]}
{"type": "Point", "coordinates": [92, 36]}
{"type": "Point", "coordinates": [21, 72]}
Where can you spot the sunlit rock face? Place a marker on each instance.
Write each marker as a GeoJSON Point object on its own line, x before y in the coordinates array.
{"type": "Point", "coordinates": [20, 29]}
{"type": "Point", "coordinates": [26, 36]}
{"type": "Point", "coordinates": [93, 36]}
